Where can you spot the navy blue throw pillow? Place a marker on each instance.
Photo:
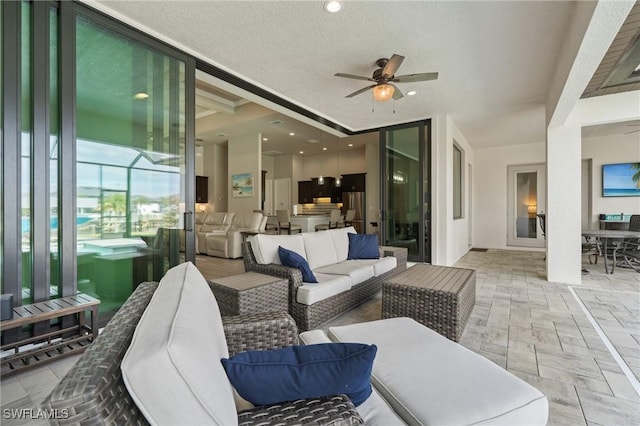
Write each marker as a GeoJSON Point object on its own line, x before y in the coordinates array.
{"type": "Point", "coordinates": [363, 246]}
{"type": "Point", "coordinates": [293, 259]}
{"type": "Point", "coordinates": [302, 372]}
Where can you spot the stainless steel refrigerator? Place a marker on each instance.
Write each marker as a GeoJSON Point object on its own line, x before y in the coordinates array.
{"type": "Point", "coordinates": [355, 201]}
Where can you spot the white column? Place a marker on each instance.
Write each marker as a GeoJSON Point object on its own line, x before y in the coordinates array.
{"type": "Point", "coordinates": [563, 225]}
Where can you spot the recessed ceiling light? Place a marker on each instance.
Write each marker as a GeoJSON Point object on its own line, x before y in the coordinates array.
{"type": "Point", "coordinates": [350, 144]}
{"type": "Point", "coordinates": [291, 134]}
{"type": "Point", "coordinates": [265, 139]}
{"type": "Point", "coordinates": [411, 92]}
{"type": "Point", "coordinates": [141, 95]}
{"type": "Point", "coordinates": [332, 6]}
{"type": "Point", "coordinates": [313, 140]}
{"type": "Point", "coordinates": [301, 152]}
{"type": "Point", "coordinates": [222, 135]}
{"type": "Point", "coordinates": [324, 148]}
{"type": "Point", "coordinates": [276, 122]}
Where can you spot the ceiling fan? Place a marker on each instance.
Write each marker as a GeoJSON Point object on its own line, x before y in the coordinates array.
{"type": "Point", "coordinates": [384, 77]}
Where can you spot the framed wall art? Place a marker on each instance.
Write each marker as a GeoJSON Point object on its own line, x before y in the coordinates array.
{"type": "Point", "coordinates": [242, 185]}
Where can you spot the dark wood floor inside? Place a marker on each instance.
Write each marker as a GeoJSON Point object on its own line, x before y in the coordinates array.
{"type": "Point", "coordinates": [216, 267]}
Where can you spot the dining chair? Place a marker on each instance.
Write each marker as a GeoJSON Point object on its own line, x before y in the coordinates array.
{"type": "Point", "coordinates": [284, 223]}
{"type": "Point", "coordinates": [348, 218]}
{"type": "Point", "coordinates": [630, 251]}
{"type": "Point", "coordinates": [334, 218]}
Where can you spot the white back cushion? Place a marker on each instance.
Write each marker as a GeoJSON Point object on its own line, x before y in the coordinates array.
{"type": "Point", "coordinates": [265, 247]}
{"type": "Point", "coordinates": [172, 368]}
{"type": "Point", "coordinates": [320, 249]}
{"type": "Point", "coordinates": [341, 241]}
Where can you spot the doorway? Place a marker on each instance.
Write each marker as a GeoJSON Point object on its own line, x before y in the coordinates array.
{"type": "Point", "coordinates": [525, 200]}
{"type": "Point", "coordinates": [405, 214]}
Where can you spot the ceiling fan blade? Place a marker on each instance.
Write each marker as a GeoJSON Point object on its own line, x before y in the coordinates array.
{"type": "Point", "coordinates": [357, 92]}
{"type": "Point", "coordinates": [392, 66]}
{"type": "Point", "coordinates": [413, 78]}
{"type": "Point", "coordinates": [397, 93]}
{"type": "Point", "coordinates": [355, 77]}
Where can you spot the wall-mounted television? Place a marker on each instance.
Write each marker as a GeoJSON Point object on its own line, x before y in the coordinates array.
{"type": "Point", "coordinates": [621, 180]}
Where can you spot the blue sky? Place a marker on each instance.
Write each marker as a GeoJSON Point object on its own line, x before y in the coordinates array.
{"type": "Point", "coordinates": [618, 176]}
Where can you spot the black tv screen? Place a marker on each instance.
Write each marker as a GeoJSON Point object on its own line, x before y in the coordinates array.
{"type": "Point", "coordinates": [621, 180]}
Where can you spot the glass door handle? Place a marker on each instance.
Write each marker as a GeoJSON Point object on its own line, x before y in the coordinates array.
{"type": "Point", "coordinates": [188, 221]}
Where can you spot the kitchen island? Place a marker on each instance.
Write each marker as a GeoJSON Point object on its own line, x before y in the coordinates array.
{"type": "Point", "coordinates": [307, 222]}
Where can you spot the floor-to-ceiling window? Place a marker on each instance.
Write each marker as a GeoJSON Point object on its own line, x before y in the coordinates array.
{"type": "Point", "coordinates": [97, 154]}
{"type": "Point", "coordinates": [130, 161]}
{"type": "Point", "coordinates": [405, 190]}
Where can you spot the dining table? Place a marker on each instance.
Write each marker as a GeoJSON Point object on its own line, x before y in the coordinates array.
{"type": "Point", "coordinates": [609, 239]}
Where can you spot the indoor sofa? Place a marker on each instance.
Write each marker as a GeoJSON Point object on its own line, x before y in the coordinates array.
{"type": "Point", "coordinates": [227, 241]}
{"type": "Point", "coordinates": [159, 361]}
{"type": "Point", "coordinates": [342, 283]}
{"type": "Point", "coordinates": [210, 223]}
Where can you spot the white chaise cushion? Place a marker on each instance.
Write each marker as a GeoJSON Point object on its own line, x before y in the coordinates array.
{"type": "Point", "coordinates": [172, 368]}
{"type": "Point", "coordinates": [341, 241]}
{"type": "Point", "coordinates": [375, 411]}
{"type": "Point", "coordinates": [357, 270]}
{"type": "Point", "coordinates": [327, 286]}
{"type": "Point", "coordinates": [431, 380]}
{"type": "Point", "coordinates": [320, 249]}
{"type": "Point", "coordinates": [265, 247]}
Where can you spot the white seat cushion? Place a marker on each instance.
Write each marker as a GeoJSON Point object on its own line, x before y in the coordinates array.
{"type": "Point", "coordinates": [384, 265]}
{"type": "Point", "coordinates": [357, 270]}
{"type": "Point", "coordinates": [428, 379]}
{"type": "Point", "coordinates": [265, 247]}
{"type": "Point", "coordinates": [327, 286]}
{"type": "Point", "coordinates": [319, 248]}
{"type": "Point", "coordinates": [375, 410]}
{"type": "Point", "coordinates": [341, 241]}
{"type": "Point", "coordinates": [172, 368]}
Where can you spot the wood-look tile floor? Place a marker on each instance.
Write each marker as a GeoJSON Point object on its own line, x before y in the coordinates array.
{"type": "Point", "coordinates": [580, 344]}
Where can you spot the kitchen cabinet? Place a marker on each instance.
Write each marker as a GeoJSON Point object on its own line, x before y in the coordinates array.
{"type": "Point", "coordinates": [202, 189]}
{"type": "Point", "coordinates": [354, 182]}
{"type": "Point", "coordinates": [322, 190]}
{"type": "Point", "coordinates": [305, 195]}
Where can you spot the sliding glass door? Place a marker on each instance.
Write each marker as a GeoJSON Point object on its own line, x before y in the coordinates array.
{"type": "Point", "coordinates": [130, 163]}
{"type": "Point", "coordinates": [405, 190]}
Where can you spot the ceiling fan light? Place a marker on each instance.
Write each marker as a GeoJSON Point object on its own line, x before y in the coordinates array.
{"type": "Point", "coordinates": [383, 92]}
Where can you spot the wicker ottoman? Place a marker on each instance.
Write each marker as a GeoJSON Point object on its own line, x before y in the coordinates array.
{"type": "Point", "coordinates": [250, 293]}
{"type": "Point", "coordinates": [439, 297]}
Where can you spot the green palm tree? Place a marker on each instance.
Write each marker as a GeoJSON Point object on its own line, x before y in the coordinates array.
{"type": "Point", "coordinates": [636, 175]}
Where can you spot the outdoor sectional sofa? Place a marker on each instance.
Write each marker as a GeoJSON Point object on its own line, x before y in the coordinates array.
{"type": "Point", "coordinates": [342, 284]}
{"type": "Point", "coordinates": [158, 361]}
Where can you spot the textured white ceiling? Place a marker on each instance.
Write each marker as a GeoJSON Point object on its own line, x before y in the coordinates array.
{"type": "Point", "coordinates": [495, 59]}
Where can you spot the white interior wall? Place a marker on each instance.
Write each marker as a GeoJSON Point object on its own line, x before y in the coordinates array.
{"type": "Point", "coordinates": [214, 165]}
{"type": "Point", "coordinates": [351, 161]}
{"type": "Point", "coordinates": [458, 229]}
{"type": "Point", "coordinates": [245, 157]}
{"type": "Point", "coordinates": [610, 150]}
{"type": "Point", "coordinates": [268, 164]}
{"type": "Point", "coordinates": [490, 190]}
{"type": "Point", "coordinates": [450, 238]}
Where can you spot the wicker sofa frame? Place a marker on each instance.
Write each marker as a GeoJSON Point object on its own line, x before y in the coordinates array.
{"type": "Point", "coordinates": [93, 391]}
{"type": "Point", "coordinates": [308, 317]}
